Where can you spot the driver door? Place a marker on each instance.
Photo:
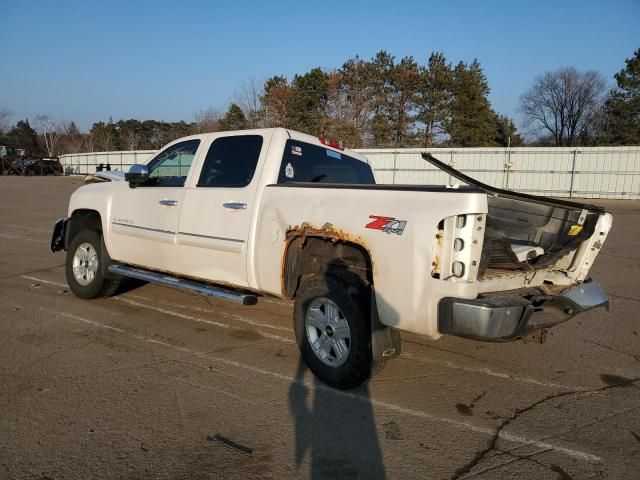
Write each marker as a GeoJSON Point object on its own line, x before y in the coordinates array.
{"type": "Point", "coordinates": [144, 219]}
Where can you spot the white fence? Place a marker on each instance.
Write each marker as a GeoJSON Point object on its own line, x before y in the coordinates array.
{"type": "Point", "coordinates": [591, 172]}
{"type": "Point", "coordinates": [83, 163]}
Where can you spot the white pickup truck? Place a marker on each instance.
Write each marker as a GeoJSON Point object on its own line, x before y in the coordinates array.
{"type": "Point", "coordinates": [275, 212]}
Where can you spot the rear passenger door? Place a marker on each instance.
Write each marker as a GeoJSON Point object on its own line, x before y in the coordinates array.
{"type": "Point", "coordinates": [216, 212]}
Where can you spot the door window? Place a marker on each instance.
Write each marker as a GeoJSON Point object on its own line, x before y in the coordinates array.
{"type": "Point", "coordinates": [231, 161]}
{"type": "Point", "coordinates": [171, 166]}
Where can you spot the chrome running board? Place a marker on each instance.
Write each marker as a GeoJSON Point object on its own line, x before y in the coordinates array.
{"type": "Point", "coordinates": [188, 285]}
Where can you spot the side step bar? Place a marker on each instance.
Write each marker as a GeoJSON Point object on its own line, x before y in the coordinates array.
{"type": "Point", "coordinates": [188, 285]}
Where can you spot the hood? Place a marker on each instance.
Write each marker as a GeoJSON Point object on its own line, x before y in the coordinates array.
{"type": "Point", "coordinates": [104, 176]}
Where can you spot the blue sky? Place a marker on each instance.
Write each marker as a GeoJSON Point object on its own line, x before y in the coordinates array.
{"type": "Point", "coordinates": [87, 61]}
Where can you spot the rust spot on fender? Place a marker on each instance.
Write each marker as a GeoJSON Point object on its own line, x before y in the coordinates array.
{"type": "Point", "coordinates": [326, 231]}
{"type": "Point", "coordinates": [300, 233]}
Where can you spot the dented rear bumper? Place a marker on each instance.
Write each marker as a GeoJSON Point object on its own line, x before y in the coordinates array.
{"type": "Point", "coordinates": [495, 317]}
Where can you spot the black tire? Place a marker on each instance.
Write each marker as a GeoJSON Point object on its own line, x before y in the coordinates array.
{"type": "Point", "coordinates": [353, 299]}
{"type": "Point", "coordinates": [98, 287]}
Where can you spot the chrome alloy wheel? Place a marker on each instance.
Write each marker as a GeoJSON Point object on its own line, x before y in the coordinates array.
{"type": "Point", "coordinates": [85, 264]}
{"type": "Point", "coordinates": [327, 331]}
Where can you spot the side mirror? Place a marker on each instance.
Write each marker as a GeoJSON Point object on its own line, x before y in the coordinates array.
{"type": "Point", "coordinates": [137, 175]}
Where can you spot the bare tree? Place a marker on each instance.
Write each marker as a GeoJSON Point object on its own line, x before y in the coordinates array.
{"type": "Point", "coordinates": [565, 103]}
{"type": "Point", "coordinates": [89, 143]}
{"type": "Point", "coordinates": [207, 120]}
{"type": "Point", "coordinates": [248, 98]}
{"type": "Point", "coordinates": [50, 131]}
{"type": "Point", "coordinates": [72, 140]}
{"type": "Point", "coordinates": [102, 137]}
{"type": "Point", "coordinates": [131, 138]}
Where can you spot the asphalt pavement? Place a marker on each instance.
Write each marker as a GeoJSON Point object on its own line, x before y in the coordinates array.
{"type": "Point", "coordinates": [158, 383]}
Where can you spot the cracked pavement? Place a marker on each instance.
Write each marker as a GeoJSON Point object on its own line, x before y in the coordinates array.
{"type": "Point", "coordinates": [157, 383]}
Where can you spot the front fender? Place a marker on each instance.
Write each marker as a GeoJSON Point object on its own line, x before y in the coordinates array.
{"type": "Point", "coordinates": [95, 197]}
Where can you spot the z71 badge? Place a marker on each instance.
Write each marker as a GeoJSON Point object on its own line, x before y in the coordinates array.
{"type": "Point", "coordinates": [387, 224]}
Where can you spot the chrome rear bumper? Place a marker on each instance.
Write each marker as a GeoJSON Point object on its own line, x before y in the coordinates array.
{"type": "Point", "coordinates": [496, 317]}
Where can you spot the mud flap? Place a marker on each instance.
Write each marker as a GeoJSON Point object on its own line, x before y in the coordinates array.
{"type": "Point", "coordinates": [59, 237]}
{"type": "Point", "coordinates": [385, 341]}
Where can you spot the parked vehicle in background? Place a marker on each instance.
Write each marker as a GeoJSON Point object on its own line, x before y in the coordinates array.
{"type": "Point", "coordinates": [36, 166]}
{"type": "Point", "coordinates": [5, 151]}
{"type": "Point", "coordinates": [275, 212]}
{"type": "Point", "coordinates": [6, 157]}
{"type": "Point", "coordinates": [20, 162]}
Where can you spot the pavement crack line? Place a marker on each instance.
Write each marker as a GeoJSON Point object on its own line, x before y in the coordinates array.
{"type": "Point", "coordinates": [633, 299]}
{"type": "Point", "coordinates": [494, 434]}
{"type": "Point", "coordinates": [612, 349]}
{"type": "Point", "coordinates": [492, 445]}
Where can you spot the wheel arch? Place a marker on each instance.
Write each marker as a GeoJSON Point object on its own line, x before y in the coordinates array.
{"type": "Point", "coordinates": [82, 219]}
{"type": "Point", "coordinates": [90, 219]}
{"type": "Point", "coordinates": [321, 252]}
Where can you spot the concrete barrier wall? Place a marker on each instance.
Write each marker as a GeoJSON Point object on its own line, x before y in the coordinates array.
{"type": "Point", "coordinates": [591, 172]}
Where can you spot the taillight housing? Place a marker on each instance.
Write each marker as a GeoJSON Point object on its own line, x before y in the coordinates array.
{"type": "Point", "coordinates": [457, 247]}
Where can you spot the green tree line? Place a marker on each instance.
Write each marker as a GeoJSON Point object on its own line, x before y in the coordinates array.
{"type": "Point", "coordinates": [383, 102]}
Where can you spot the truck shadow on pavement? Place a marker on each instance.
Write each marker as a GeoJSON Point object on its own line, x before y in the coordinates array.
{"type": "Point", "coordinates": [336, 429]}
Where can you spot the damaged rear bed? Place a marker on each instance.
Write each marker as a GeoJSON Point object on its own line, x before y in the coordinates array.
{"type": "Point", "coordinates": [535, 255]}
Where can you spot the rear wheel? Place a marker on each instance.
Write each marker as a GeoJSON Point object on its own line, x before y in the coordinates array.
{"type": "Point", "coordinates": [83, 270]}
{"type": "Point", "coordinates": [333, 330]}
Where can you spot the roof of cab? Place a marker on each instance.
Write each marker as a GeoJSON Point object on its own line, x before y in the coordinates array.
{"type": "Point", "coordinates": [302, 137]}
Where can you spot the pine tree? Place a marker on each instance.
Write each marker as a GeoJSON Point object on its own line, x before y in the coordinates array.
{"type": "Point", "coordinates": [22, 135]}
{"type": "Point", "coordinates": [506, 133]}
{"type": "Point", "coordinates": [434, 97]}
{"type": "Point", "coordinates": [623, 106]}
{"type": "Point", "coordinates": [405, 81]}
{"type": "Point", "coordinates": [381, 67]}
{"type": "Point", "coordinates": [234, 119]}
{"type": "Point", "coordinates": [472, 122]}
{"type": "Point", "coordinates": [356, 92]}
{"type": "Point", "coordinates": [307, 108]}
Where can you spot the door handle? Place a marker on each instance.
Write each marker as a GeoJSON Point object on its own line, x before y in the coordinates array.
{"type": "Point", "coordinates": [235, 205]}
{"type": "Point", "coordinates": [168, 203]}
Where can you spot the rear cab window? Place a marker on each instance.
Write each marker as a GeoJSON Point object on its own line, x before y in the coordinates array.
{"type": "Point", "coordinates": [304, 162]}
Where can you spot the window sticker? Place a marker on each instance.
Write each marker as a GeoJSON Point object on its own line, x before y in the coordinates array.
{"type": "Point", "coordinates": [288, 170]}
{"type": "Point", "coordinates": [296, 150]}
{"type": "Point", "coordinates": [331, 153]}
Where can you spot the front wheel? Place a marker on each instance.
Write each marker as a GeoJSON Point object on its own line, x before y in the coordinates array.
{"type": "Point", "coordinates": [332, 326]}
{"type": "Point", "coordinates": [83, 271]}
